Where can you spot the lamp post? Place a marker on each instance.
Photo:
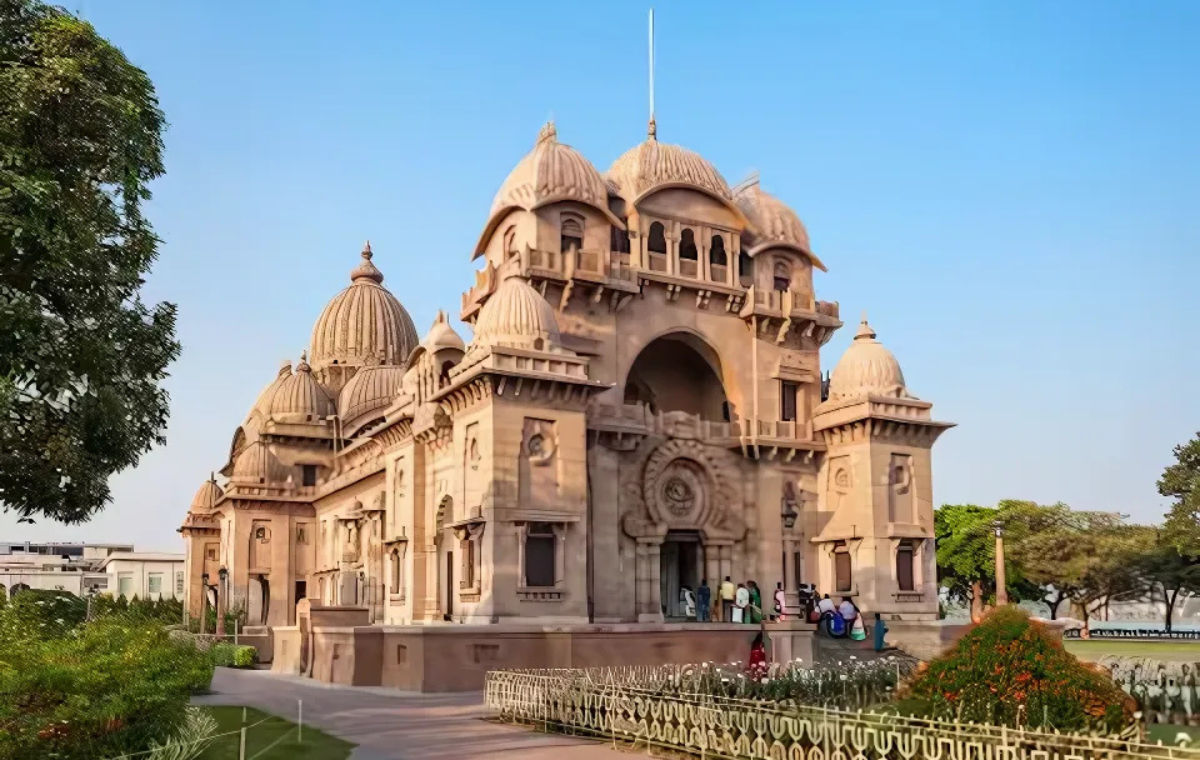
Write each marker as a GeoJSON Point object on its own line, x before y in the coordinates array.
{"type": "Point", "coordinates": [203, 602]}
{"type": "Point", "coordinates": [791, 594]}
{"type": "Point", "coordinates": [1001, 586]}
{"type": "Point", "coordinates": [223, 574]}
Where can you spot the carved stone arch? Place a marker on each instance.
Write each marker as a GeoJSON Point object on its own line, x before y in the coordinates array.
{"type": "Point", "coordinates": [689, 486]}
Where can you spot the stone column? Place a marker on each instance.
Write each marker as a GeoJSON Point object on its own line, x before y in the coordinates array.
{"type": "Point", "coordinates": [1001, 587]}
{"type": "Point", "coordinates": [726, 562]}
{"type": "Point", "coordinates": [791, 594]}
{"type": "Point", "coordinates": [655, 561]}
{"type": "Point", "coordinates": [712, 567]}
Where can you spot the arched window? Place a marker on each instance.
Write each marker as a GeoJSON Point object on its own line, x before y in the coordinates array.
{"type": "Point", "coordinates": [510, 242]}
{"type": "Point", "coordinates": [745, 270]}
{"type": "Point", "coordinates": [396, 571]}
{"type": "Point", "coordinates": [783, 276]}
{"type": "Point", "coordinates": [842, 569]}
{"type": "Point", "coordinates": [571, 231]}
{"type": "Point", "coordinates": [687, 246]}
{"type": "Point", "coordinates": [904, 567]}
{"type": "Point", "coordinates": [657, 240]}
{"type": "Point", "coordinates": [445, 372]}
{"type": "Point", "coordinates": [716, 251]}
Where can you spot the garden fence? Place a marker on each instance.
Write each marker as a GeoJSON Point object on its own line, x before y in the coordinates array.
{"type": "Point", "coordinates": [608, 703]}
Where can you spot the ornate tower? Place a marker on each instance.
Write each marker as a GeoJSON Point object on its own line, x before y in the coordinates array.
{"type": "Point", "coordinates": [874, 539]}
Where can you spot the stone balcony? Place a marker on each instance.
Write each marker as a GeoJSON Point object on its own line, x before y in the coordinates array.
{"type": "Point", "coordinates": [623, 426]}
{"type": "Point", "coordinates": [779, 311]}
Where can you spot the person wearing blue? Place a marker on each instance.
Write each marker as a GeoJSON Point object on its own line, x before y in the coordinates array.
{"type": "Point", "coordinates": [703, 601]}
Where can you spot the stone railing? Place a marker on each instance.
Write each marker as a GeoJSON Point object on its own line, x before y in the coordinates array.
{"type": "Point", "coordinates": [637, 418]}
{"type": "Point", "coordinates": [607, 704]}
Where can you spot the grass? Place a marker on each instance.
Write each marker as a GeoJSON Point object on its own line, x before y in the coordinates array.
{"type": "Point", "coordinates": [1094, 649]}
{"type": "Point", "coordinates": [1166, 732]}
{"type": "Point", "coordinates": [273, 739]}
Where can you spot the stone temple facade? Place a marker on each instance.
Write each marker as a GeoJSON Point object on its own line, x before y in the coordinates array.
{"type": "Point", "coordinates": [641, 405]}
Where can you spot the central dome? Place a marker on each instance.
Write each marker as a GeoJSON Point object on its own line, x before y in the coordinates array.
{"type": "Point", "coordinates": [867, 368]}
{"type": "Point", "coordinates": [364, 320]}
{"type": "Point", "coordinates": [653, 165]}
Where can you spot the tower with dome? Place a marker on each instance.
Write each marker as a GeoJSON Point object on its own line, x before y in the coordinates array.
{"type": "Point", "coordinates": [639, 407]}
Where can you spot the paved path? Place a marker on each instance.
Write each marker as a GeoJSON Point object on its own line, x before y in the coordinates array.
{"type": "Point", "coordinates": [394, 725]}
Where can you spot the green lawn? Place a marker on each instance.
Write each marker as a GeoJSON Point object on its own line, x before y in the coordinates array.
{"type": "Point", "coordinates": [274, 739]}
{"type": "Point", "coordinates": [1094, 649]}
{"type": "Point", "coordinates": [1166, 732]}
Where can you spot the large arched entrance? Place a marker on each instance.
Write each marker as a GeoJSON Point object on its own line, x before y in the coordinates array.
{"type": "Point", "coordinates": [678, 372]}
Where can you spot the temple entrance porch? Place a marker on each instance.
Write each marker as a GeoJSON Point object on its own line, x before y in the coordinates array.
{"type": "Point", "coordinates": [681, 564]}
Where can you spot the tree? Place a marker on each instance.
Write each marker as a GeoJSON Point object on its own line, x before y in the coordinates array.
{"type": "Point", "coordinates": [1166, 572]}
{"type": "Point", "coordinates": [81, 356]}
{"type": "Point", "coordinates": [966, 553]}
{"type": "Point", "coordinates": [1173, 567]}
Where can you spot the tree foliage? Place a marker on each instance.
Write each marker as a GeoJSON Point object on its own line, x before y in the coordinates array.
{"type": "Point", "coordinates": [81, 356]}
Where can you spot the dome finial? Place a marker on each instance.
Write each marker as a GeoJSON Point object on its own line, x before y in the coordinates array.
{"type": "Point", "coordinates": [303, 365]}
{"type": "Point", "coordinates": [365, 269]}
{"type": "Point", "coordinates": [652, 130]}
{"type": "Point", "coordinates": [548, 133]}
{"type": "Point", "coordinates": [865, 332]}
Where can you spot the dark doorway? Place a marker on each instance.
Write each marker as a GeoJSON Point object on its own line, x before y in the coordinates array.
{"type": "Point", "coordinates": [681, 561]}
{"type": "Point", "coordinates": [448, 608]}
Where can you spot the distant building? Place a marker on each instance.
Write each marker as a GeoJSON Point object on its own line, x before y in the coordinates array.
{"type": "Point", "coordinates": [80, 567]}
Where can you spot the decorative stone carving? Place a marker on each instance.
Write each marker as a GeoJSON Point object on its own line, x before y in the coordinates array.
{"type": "Point", "coordinates": [685, 486]}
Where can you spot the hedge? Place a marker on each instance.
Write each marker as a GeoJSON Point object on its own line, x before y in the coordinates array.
{"type": "Point", "coordinates": [233, 655]}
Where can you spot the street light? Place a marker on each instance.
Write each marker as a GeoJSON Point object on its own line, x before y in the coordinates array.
{"type": "Point", "coordinates": [223, 574]}
{"type": "Point", "coordinates": [203, 602]}
{"type": "Point", "coordinates": [789, 513]}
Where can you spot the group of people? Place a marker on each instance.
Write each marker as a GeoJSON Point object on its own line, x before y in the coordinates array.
{"type": "Point", "coordinates": [740, 603]}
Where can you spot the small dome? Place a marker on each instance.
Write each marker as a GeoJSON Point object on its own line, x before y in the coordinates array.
{"type": "Point", "coordinates": [300, 398]}
{"type": "Point", "coordinates": [263, 404]}
{"type": "Point", "coordinates": [442, 335]}
{"type": "Point", "coordinates": [371, 389]}
{"type": "Point", "coordinates": [549, 173]}
{"type": "Point", "coordinates": [773, 222]}
{"type": "Point", "coordinates": [208, 495]}
{"type": "Point", "coordinates": [517, 315]}
{"type": "Point", "coordinates": [257, 465]}
{"type": "Point", "coordinates": [363, 320]}
{"type": "Point", "coordinates": [653, 165]}
{"type": "Point", "coordinates": [867, 368]}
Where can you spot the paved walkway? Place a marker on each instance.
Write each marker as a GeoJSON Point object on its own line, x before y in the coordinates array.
{"type": "Point", "coordinates": [394, 725]}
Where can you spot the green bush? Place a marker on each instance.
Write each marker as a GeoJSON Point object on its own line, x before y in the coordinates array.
{"type": "Point", "coordinates": [1009, 671]}
{"type": "Point", "coordinates": [47, 613]}
{"type": "Point", "coordinates": [233, 655]}
{"type": "Point", "coordinates": [101, 689]}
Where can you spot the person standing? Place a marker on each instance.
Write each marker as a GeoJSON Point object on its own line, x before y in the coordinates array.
{"type": "Point", "coordinates": [727, 594]}
{"type": "Point", "coordinates": [703, 601]}
{"type": "Point", "coordinates": [741, 604]}
{"type": "Point", "coordinates": [687, 600]}
{"type": "Point", "coordinates": [755, 608]}
{"type": "Point", "coordinates": [780, 601]}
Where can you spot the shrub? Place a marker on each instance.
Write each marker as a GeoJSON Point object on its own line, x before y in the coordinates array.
{"type": "Point", "coordinates": [233, 655]}
{"type": "Point", "coordinates": [1009, 671]}
{"type": "Point", "coordinates": [104, 688]}
{"type": "Point", "coordinates": [45, 613]}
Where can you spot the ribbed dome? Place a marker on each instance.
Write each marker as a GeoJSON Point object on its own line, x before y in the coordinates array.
{"type": "Point", "coordinates": [262, 405]}
{"type": "Point", "coordinates": [371, 389]}
{"type": "Point", "coordinates": [257, 465]}
{"type": "Point", "coordinates": [867, 368]}
{"type": "Point", "coordinates": [363, 320]}
{"type": "Point", "coordinates": [442, 335]}
{"type": "Point", "coordinates": [551, 172]}
{"type": "Point", "coordinates": [652, 165]}
{"type": "Point", "coordinates": [773, 222]}
{"type": "Point", "coordinates": [300, 398]}
{"type": "Point", "coordinates": [208, 495]}
{"type": "Point", "coordinates": [517, 315]}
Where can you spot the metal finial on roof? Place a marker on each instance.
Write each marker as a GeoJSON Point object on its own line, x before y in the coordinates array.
{"type": "Point", "coordinates": [653, 131]}
{"type": "Point", "coordinates": [303, 365]}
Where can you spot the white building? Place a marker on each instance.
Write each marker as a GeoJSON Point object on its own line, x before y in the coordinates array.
{"type": "Point", "coordinates": [78, 568]}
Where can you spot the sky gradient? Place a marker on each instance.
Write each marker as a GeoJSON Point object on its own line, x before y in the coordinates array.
{"type": "Point", "coordinates": [1010, 190]}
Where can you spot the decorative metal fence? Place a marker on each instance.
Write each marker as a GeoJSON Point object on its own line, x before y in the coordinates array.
{"type": "Point", "coordinates": [1134, 633]}
{"type": "Point", "coordinates": [606, 703]}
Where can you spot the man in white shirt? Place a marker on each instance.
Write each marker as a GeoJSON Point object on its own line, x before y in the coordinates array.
{"type": "Point", "coordinates": [825, 605]}
{"type": "Point", "coordinates": [847, 610]}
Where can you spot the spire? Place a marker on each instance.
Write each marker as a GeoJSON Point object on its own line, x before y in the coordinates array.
{"type": "Point", "coordinates": [865, 331]}
{"type": "Point", "coordinates": [548, 133]}
{"type": "Point", "coordinates": [303, 365]}
{"type": "Point", "coordinates": [652, 131]}
{"type": "Point", "coordinates": [365, 269]}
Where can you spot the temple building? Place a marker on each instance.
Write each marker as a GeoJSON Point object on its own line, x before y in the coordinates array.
{"type": "Point", "coordinates": [640, 406]}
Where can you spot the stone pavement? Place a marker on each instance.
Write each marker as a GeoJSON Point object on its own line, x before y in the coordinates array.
{"type": "Point", "coordinates": [394, 725]}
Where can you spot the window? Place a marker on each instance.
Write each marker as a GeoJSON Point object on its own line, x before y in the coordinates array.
{"type": "Point", "coordinates": [619, 240]}
{"type": "Point", "coordinates": [687, 246]}
{"type": "Point", "coordinates": [842, 569]}
{"type": "Point", "coordinates": [396, 579]}
{"type": "Point", "coordinates": [572, 235]}
{"type": "Point", "coordinates": [783, 276]}
{"type": "Point", "coordinates": [178, 584]}
{"type": "Point", "coordinates": [539, 555]}
{"type": "Point", "coordinates": [155, 586]}
{"type": "Point", "coordinates": [211, 553]}
{"type": "Point", "coordinates": [125, 584]}
{"type": "Point", "coordinates": [787, 401]}
{"type": "Point", "coordinates": [301, 590]}
{"type": "Point", "coordinates": [468, 563]}
{"type": "Point", "coordinates": [745, 270]}
{"type": "Point", "coordinates": [725, 415]}
{"type": "Point", "coordinates": [904, 568]}
{"type": "Point", "coordinates": [309, 474]}
{"type": "Point", "coordinates": [798, 568]}
{"type": "Point", "coordinates": [657, 240]}
{"type": "Point", "coordinates": [716, 251]}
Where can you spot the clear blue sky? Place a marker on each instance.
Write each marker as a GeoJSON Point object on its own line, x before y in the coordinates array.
{"type": "Point", "coordinates": [1010, 190]}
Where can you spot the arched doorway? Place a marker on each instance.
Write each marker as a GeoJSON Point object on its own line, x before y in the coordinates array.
{"type": "Point", "coordinates": [678, 372]}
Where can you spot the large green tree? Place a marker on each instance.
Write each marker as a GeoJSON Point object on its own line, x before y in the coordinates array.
{"type": "Point", "coordinates": [1174, 565]}
{"type": "Point", "coordinates": [81, 356]}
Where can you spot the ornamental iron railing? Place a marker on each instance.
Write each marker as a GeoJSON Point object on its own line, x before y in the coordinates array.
{"type": "Point", "coordinates": [606, 703]}
{"type": "Point", "coordinates": [1133, 633]}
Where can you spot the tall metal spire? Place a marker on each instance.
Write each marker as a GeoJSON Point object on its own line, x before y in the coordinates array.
{"type": "Point", "coordinates": [653, 130]}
